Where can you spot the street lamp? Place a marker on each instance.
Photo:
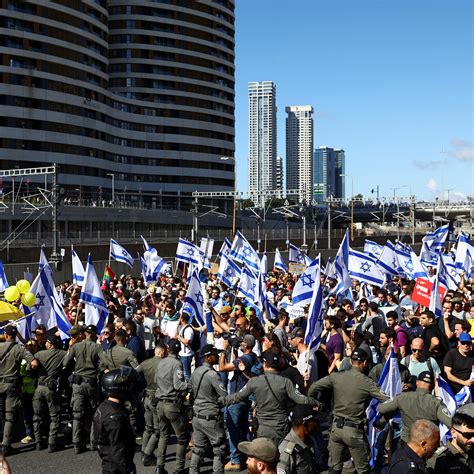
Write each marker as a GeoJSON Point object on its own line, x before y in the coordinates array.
{"type": "Point", "coordinates": [229, 158]}
{"type": "Point", "coordinates": [352, 202]}
{"type": "Point", "coordinates": [398, 208]}
{"type": "Point", "coordinates": [113, 187]}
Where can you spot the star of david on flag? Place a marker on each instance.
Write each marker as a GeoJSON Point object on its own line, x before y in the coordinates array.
{"type": "Point", "coordinates": [194, 300]}
{"type": "Point", "coordinates": [242, 252]}
{"type": "Point", "coordinates": [363, 268]}
{"type": "Point", "coordinates": [304, 287]}
{"type": "Point", "coordinates": [120, 254]}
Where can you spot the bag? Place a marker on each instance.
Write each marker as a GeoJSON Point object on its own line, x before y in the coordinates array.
{"type": "Point", "coordinates": [196, 341]}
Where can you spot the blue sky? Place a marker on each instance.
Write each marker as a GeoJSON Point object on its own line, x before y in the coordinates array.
{"type": "Point", "coordinates": [391, 82]}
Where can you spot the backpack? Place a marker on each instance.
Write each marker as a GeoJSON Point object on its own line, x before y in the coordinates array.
{"type": "Point", "coordinates": [196, 341]}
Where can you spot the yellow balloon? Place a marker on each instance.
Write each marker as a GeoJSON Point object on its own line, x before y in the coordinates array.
{"type": "Point", "coordinates": [12, 293]}
{"type": "Point", "coordinates": [23, 286]}
{"type": "Point", "coordinates": [28, 299]}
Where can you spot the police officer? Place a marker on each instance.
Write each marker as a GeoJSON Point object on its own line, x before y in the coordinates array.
{"type": "Point", "coordinates": [353, 391]}
{"type": "Point", "coordinates": [458, 454]}
{"type": "Point", "coordinates": [207, 388]}
{"type": "Point", "coordinates": [418, 405]}
{"type": "Point", "coordinates": [423, 439]}
{"type": "Point", "coordinates": [297, 455]}
{"type": "Point", "coordinates": [88, 356]}
{"type": "Point", "coordinates": [111, 426]}
{"type": "Point", "coordinates": [170, 392]}
{"type": "Point", "coordinates": [272, 393]}
{"type": "Point", "coordinates": [11, 355]}
{"type": "Point", "coordinates": [49, 364]}
{"type": "Point", "coordinates": [118, 354]}
{"type": "Point", "coordinates": [152, 426]}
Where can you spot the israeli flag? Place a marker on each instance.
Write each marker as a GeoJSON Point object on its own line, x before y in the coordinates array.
{"type": "Point", "coordinates": [151, 264]}
{"type": "Point", "coordinates": [364, 268]}
{"type": "Point", "coordinates": [3, 278]}
{"type": "Point", "coordinates": [242, 252]}
{"type": "Point", "coordinates": [418, 269]}
{"type": "Point", "coordinates": [77, 268]}
{"type": "Point", "coordinates": [225, 248]}
{"type": "Point", "coordinates": [264, 265]}
{"type": "Point", "coordinates": [189, 253]}
{"type": "Point", "coordinates": [48, 309]}
{"type": "Point", "coordinates": [341, 266]}
{"type": "Point", "coordinates": [306, 285]}
{"type": "Point", "coordinates": [248, 285]}
{"type": "Point", "coordinates": [194, 301]}
{"type": "Point", "coordinates": [263, 304]}
{"type": "Point", "coordinates": [147, 277]}
{"type": "Point", "coordinates": [436, 239]}
{"type": "Point", "coordinates": [391, 384]}
{"type": "Point", "coordinates": [229, 271]}
{"type": "Point", "coordinates": [118, 253]}
{"type": "Point", "coordinates": [405, 264]}
{"type": "Point", "coordinates": [428, 257]}
{"type": "Point", "coordinates": [307, 260]}
{"type": "Point", "coordinates": [43, 262]}
{"type": "Point", "coordinates": [373, 249]}
{"type": "Point", "coordinates": [96, 310]}
{"type": "Point", "coordinates": [436, 304]}
{"type": "Point", "coordinates": [453, 279]}
{"type": "Point", "coordinates": [388, 259]}
{"type": "Point", "coordinates": [315, 323]}
{"type": "Point", "coordinates": [296, 255]}
{"type": "Point", "coordinates": [464, 255]}
{"type": "Point", "coordinates": [279, 263]}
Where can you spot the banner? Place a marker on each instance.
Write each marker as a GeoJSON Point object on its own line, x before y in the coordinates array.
{"type": "Point", "coordinates": [422, 292]}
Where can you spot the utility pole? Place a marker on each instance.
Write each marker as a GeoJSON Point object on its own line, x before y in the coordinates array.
{"type": "Point", "coordinates": [55, 256]}
{"type": "Point", "coordinates": [195, 221]}
{"type": "Point", "coordinates": [412, 218]}
{"type": "Point", "coordinates": [329, 221]}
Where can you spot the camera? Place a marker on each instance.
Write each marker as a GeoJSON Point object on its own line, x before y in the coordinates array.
{"type": "Point", "coordinates": [233, 338]}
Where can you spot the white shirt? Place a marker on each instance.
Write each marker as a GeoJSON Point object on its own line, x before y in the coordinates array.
{"type": "Point", "coordinates": [186, 333]}
{"type": "Point", "coordinates": [171, 327]}
{"type": "Point", "coordinates": [148, 324]}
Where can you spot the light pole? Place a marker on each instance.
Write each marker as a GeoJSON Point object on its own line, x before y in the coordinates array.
{"type": "Point", "coordinates": [352, 202]}
{"type": "Point", "coordinates": [112, 175]}
{"type": "Point", "coordinates": [449, 190]}
{"type": "Point", "coordinates": [398, 207]}
{"type": "Point", "coordinates": [234, 215]}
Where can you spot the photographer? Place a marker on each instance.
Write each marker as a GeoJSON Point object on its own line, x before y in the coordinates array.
{"type": "Point", "coordinates": [237, 415]}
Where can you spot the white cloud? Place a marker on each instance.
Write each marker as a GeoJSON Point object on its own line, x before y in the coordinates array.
{"type": "Point", "coordinates": [424, 165]}
{"type": "Point", "coordinates": [461, 150]}
{"type": "Point", "coordinates": [432, 185]}
{"type": "Point", "coordinates": [455, 196]}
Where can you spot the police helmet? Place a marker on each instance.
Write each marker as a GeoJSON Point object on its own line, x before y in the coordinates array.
{"type": "Point", "coordinates": [119, 382]}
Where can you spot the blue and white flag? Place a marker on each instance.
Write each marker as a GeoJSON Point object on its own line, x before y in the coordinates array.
{"type": "Point", "coordinates": [248, 285]}
{"type": "Point", "coordinates": [243, 252]}
{"type": "Point", "coordinates": [341, 266]}
{"type": "Point", "coordinates": [151, 264]}
{"type": "Point", "coordinates": [229, 271]}
{"type": "Point", "coordinates": [225, 248]}
{"type": "Point", "coordinates": [306, 284]}
{"type": "Point", "coordinates": [296, 255]}
{"type": "Point", "coordinates": [96, 310]}
{"type": "Point", "coordinates": [3, 278]}
{"type": "Point", "coordinates": [405, 264]}
{"type": "Point", "coordinates": [418, 270]}
{"type": "Point", "coordinates": [388, 260]}
{"type": "Point", "coordinates": [364, 268]}
{"type": "Point", "coordinates": [118, 253]}
{"type": "Point", "coordinates": [453, 279]}
{"type": "Point", "coordinates": [436, 304]}
{"type": "Point", "coordinates": [147, 277]}
{"type": "Point", "coordinates": [390, 383]}
{"type": "Point", "coordinates": [194, 301]}
{"type": "Point", "coordinates": [48, 309]}
{"type": "Point", "coordinates": [315, 323]}
{"type": "Point", "coordinates": [263, 304]}
{"type": "Point", "coordinates": [373, 249]}
{"type": "Point", "coordinates": [464, 260]}
{"type": "Point", "coordinates": [307, 260]}
{"type": "Point", "coordinates": [77, 268]}
{"type": "Point", "coordinates": [436, 239]}
{"type": "Point", "coordinates": [279, 263]}
{"type": "Point", "coordinates": [428, 257]}
{"type": "Point", "coordinates": [189, 253]}
{"type": "Point", "coordinates": [264, 265]}
{"type": "Point", "coordinates": [43, 262]}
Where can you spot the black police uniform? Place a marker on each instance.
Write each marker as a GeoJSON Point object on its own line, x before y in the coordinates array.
{"type": "Point", "coordinates": [405, 460]}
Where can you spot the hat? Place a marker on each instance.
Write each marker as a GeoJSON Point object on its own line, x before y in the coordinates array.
{"type": "Point", "coordinates": [249, 340]}
{"type": "Point", "coordinates": [297, 332]}
{"type": "Point", "coordinates": [467, 409]}
{"type": "Point", "coordinates": [11, 330]}
{"type": "Point", "coordinates": [359, 354]}
{"type": "Point", "coordinates": [174, 345]}
{"type": "Point", "coordinates": [76, 329]}
{"type": "Point", "coordinates": [91, 329]}
{"type": "Point", "coordinates": [225, 309]}
{"type": "Point", "coordinates": [464, 337]}
{"type": "Point", "coordinates": [53, 339]}
{"type": "Point", "coordinates": [271, 359]}
{"type": "Point", "coordinates": [209, 349]}
{"type": "Point", "coordinates": [427, 377]}
{"type": "Point", "coordinates": [301, 413]}
{"type": "Point", "coordinates": [260, 448]}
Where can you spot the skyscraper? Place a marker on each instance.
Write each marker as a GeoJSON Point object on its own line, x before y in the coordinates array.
{"type": "Point", "coordinates": [141, 92]}
{"type": "Point", "coordinates": [299, 150]}
{"type": "Point", "coordinates": [329, 164]}
{"type": "Point", "coordinates": [262, 136]}
{"type": "Point", "coordinates": [280, 173]}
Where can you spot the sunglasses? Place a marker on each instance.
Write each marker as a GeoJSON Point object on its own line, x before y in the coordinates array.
{"type": "Point", "coordinates": [417, 350]}
{"type": "Point", "coordinates": [466, 435]}
{"type": "Point", "coordinates": [465, 343]}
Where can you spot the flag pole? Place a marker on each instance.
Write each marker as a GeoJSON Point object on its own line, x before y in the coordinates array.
{"type": "Point", "coordinates": [109, 251]}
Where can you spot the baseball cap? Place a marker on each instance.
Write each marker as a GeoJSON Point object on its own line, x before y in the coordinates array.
{"type": "Point", "coordinates": [53, 339]}
{"type": "Point", "coordinates": [91, 329]}
{"type": "Point", "coordinates": [271, 359]}
{"type": "Point", "coordinates": [76, 329]}
{"type": "Point", "coordinates": [467, 409]}
{"type": "Point", "coordinates": [11, 330]}
{"type": "Point", "coordinates": [249, 340]}
{"type": "Point", "coordinates": [359, 354]}
{"type": "Point", "coordinates": [260, 448]}
{"type": "Point", "coordinates": [426, 376]}
{"type": "Point", "coordinates": [464, 337]}
{"type": "Point", "coordinates": [225, 309]}
{"type": "Point", "coordinates": [174, 345]}
{"type": "Point", "coordinates": [297, 332]}
{"type": "Point", "coordinates": [301, 413]}
{"type": "Point", "coordinates": [209, 349]}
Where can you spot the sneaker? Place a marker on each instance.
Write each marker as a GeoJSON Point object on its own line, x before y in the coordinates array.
{"type": "Point", "coordinates": [27, 439]}
{"type": "Point", "coordinates": [230, 466]}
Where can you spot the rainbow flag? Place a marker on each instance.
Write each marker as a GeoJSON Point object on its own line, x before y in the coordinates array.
{"type": "Point", "coordinates": [109, 275]}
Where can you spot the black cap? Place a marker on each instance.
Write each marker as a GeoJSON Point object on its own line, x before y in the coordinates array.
{"type": "Point", "coordinates": [91, 329]}
{"type": "Point", "coordinates": [11, 330]}
{"type": "Point", "coordinates": [209, 349]}
{"type": "Point", "coordinates": [359, 354]}
{"type": "Point", "coordinates": [53, 339]}
{"type": "Point", "coordinates": [174, 345]}
{"type": "Point", "coordinates": [297, 332]}
{"type": "Point", "coordinates": [271, 359]}
{"type": "Point", "coordinates": [427, 377]}
{"type": "Point", "coordinates": [301, 413]}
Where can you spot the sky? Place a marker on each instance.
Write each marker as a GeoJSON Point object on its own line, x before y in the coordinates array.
{"type": "Point", "coordinates": [391, 82]}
